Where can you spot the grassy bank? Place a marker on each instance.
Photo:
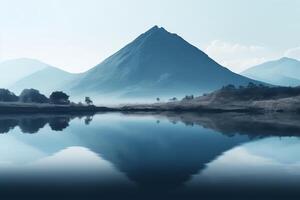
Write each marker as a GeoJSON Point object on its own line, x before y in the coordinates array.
{"type": "Point", "coordinates": [49, 108]}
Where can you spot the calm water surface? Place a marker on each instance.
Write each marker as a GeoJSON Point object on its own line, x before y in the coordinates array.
{"type": "Point", "coordinates": [138, 156]}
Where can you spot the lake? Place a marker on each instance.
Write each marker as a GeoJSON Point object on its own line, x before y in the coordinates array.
{"type": "Point", "coordinates": [150, 156]}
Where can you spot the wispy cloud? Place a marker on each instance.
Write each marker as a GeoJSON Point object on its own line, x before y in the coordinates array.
{"type": "Point", "coordinates": [293, 53]}
{"type": "Point", "coordinates": [237, 57]}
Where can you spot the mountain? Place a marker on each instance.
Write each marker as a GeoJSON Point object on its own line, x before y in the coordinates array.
{"type": "Point", "coordinates": [16, 69]}
{"type": "Point", "coordinates": [157, 63]}
{"type": "Point", "coordinates": [46, 80]}
{"type": "Point", "coordinates": [284, 72]}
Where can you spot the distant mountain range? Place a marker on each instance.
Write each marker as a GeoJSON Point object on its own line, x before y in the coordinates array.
{"type": "Point", "coordinates": [46, 80]}
{"type": "Point", "coordinates": [16, 69]}
{"type": "Point", "coordinates": [283, 72]}
{"type": "Point", "coordinates": [156, 64]}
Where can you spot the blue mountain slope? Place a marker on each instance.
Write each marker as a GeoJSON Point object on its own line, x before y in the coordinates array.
{"type": "Point", "coordinates": [285, 72]}
{"type": "Point", "coordinates": [157, 63]}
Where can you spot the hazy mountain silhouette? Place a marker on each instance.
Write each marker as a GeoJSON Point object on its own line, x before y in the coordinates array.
{"type": "Point", "coordinates": [16, 69]}
{"type": "Point", "coordinates": [157, 63]}
{"type": "Point", "coordinates": [46, 80]}
{"type": "Point", "coordinates": [285, 72]}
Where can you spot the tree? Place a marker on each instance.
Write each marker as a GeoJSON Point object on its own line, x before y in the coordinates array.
{"type": "Point", "coordinates": [173, 99]}
{"type": "Point", "coordinates": [59, 97]}
{"type": "Point", "coordinates": [229, 87]}
{"type": "Point", "coordinates": [7, 96]}
{"type": "Point", "coordinates": [32, 96]}
{"type": "Point", "coordinates": [88, 101]}
{"type": "Point", "coordinates": [88, 120]}
{"type": "Point", "coordinates": [188, 97]}
{"type": "Point", "coordinates": [59, 123]}
{"type": "Point", "coordinates": [251, 85]}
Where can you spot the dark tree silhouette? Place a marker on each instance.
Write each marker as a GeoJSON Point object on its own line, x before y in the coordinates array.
{"type": "Point", "coordinates": [59, 97]}
{"type": "Point", "coordinates": [7, 96]}
{"type": "Point", "coordinates": [32, 125]}
{"type": "Point", "coordinates": [188, 97]}
{"type": "Point", "coordinates": [59, 123]}
{"type": "Point", "coordinates": [173, 99]}
{"type": "Point", "coordinates": [88, 120]}
{"type": "Point", "coordinates": [88, 101]}
{"type": "Point", "coordinates": [229, 87]}
{"type": "Point", "coordinates": [32, 96]}
{"type": "Point", "coordinates": [7, 124]}
{"type": "Point", "coordinates": [254, 92]}
{"type": "Point", "coordinates": [251, 85]}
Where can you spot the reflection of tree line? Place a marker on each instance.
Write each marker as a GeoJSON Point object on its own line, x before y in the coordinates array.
{"type": "Point", "coordinates": [230, 124]}
{"type": "Point", "coordinates": [278, 124]}
{"type": "Point", "coordinates": [33, 123]}
{"type": "Point", "coordinates": [252, 125]}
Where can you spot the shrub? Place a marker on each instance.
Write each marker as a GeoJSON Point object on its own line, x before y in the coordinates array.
{"type": "Point", "coordinates": [88, 101]}
{"type": "Point", "coordinates": [188, 97]}
{"type": "Point", "coordinates": [32, 96]}
{"type": "Point", "coordinates": [59, 97]}
{"type": "Point", "coordinates": [7, 96]}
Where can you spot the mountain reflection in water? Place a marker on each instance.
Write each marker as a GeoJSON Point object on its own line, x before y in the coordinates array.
{"type": "Point", "coordinates": [167, 155]}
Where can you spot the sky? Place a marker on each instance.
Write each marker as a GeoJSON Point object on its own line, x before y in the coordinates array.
{"type": "Point", "coordinates": [76, 35]}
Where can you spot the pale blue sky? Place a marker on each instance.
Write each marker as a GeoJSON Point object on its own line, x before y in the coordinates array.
{"type": "Point", "coordinates": [77, 34]}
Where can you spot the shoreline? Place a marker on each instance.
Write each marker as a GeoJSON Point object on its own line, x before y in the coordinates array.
{"type": "Point", "coordinates": [67, 109]}
{"type": "Point", "coordinates": [52, 109]}
{"type": "Point", "coordinates": [259, 107]}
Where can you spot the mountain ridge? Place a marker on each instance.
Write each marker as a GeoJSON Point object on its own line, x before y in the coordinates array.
{"type": "Point", "coordinates": [284, 71]}
{"type": "Point", "coordinates": [16, 69]}
{"type": "Point", "coordinates": [46, 80]}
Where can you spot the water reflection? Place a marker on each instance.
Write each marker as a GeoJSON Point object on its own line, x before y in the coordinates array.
{"type": "Point", "coordinates": [146, 155]}
{"type": "Point", "coordinates": [33, 123]}
{"type": "Point", "coordinates": [271, 167]}
{"type": "Point", "coordinates": [266, 168]}
{"type": "Point", "coordinates": [254, 126]}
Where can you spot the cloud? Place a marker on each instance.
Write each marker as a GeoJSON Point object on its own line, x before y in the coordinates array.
{"type": "Point", "coordinates": [237, 57]}
{"type": "Point", "coordinates": [217, 46]}
{"type": "Point", "coordinates": [293, 53]}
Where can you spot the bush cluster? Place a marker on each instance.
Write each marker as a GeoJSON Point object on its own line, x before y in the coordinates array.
{"type": "Point", "coordinates": [256, 92]}
{"type": "Point", "coordinates": [34, 96]}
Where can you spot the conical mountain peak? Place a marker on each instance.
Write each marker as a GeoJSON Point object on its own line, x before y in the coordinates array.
{"type": "Point", "coordinates": [156, 29]}
{"type": "Point", "coordinates": [158, 63]}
